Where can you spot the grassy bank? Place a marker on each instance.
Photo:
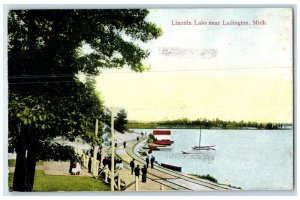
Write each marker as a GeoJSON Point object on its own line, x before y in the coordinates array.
{"type": "Point", "coordinates": [51, 183]}
{"type": "Point", "coordinates": [48, 183]}
{"type": "Point", "coordinates": [212, 179]}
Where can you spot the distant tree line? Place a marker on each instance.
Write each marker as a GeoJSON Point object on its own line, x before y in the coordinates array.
{"type": "Point", "coordinates": [207, 124]}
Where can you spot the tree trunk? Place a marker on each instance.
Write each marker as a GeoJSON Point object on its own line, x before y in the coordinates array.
{"type": "Point", "coordinates": [31, 161]}
{"type": "Point", "coordinates": [20, 175]}
{"type": "Point", "coordinates": [25, 162]}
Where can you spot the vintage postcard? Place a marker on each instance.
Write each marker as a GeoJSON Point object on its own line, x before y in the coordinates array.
{"type": "Point", "coordinates": [177, 99]}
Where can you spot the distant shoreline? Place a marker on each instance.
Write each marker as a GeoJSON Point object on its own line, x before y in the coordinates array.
{"type": "Point", "coordinates": [209, 128]}
{"type": "Point", "coordinates": [209, 124]}
{"type": "Point", "coordinates": [213, 128]}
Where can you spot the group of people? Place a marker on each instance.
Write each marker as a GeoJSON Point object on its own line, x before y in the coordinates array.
{"type": "Point", "coordinates": [152, 160]}
{"type": "Point", "coordinates": [107, 161]}
{"type": "Point", "coordinates": [137, 169]}
{"type": "Point", "coordinates": [74, 168]}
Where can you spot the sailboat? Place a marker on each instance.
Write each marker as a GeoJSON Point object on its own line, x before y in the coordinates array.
{"type": "Point", "coordinates": [199, 148]}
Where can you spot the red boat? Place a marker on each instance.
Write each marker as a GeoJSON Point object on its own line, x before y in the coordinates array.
{"type": "Point", "coordinates": [163, 142]}
{"type": "Point", "coordinates": [161, 132]}
{"type": "Point", "coordinates": [163, 137]}
{"type": "Point", "coordinates": [153, 146]}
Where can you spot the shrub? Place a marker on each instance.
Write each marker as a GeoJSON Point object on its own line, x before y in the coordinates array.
{"type": "Point", "coordinates": [151, 138]}
{"type": "Point", "coordinates": [207, 177]}
{"type": "Point", "coordinates": [144, 153]}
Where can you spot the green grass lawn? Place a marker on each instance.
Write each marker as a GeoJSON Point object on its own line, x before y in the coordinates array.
{"type": "Point", "coordinates": [11, 163]}
{"type": "Point", "coordinates": [47, 183]}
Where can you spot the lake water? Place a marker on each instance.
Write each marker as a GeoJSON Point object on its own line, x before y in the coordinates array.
{"type": "Point", "coordinates": [251, 159]}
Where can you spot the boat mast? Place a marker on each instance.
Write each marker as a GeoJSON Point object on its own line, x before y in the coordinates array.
{"type": "Point", "coordinates": [200, 137]}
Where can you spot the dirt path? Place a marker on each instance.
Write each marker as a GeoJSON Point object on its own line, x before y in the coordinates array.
{"type": "Point", "coordinates": [61, 168]}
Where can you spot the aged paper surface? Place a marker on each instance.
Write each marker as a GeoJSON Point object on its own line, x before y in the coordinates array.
{"type": "Point", "coordinates": [212, 104]}
{"type": "Point", "coordinates": [225, 64]}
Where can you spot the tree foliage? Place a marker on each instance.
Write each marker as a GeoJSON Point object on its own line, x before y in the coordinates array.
{"type": "Point", "coordinates": [46, 52]}
{"type": "Point", "coordinates": [151, 138]}
{"type": "Point", "coordinates": [50, 150]}
{"type": "Point", "coordinates": [121, 121]}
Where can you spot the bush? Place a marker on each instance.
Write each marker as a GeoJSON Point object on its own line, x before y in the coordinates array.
{"type": "Point", "coordinates": [151, 138]}
{"type": "Point", "coordinates": [150, 141]}
{"type": "Point", "coordinates": [144, 153]}
{"type": "Point", "coordinates": [210, 178]}
{"type": "Point", "coordinates": [207, 177]}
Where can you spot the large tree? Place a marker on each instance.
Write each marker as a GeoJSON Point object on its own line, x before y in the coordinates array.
{"type": "Point", "coordinates": [45, 55]}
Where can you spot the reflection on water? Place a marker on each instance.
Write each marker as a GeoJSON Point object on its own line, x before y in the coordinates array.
{"type": "Point", "coordinates": [206, 157]}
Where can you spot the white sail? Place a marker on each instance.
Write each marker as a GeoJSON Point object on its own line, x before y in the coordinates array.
{"type": "Point", "coordinates": [199, 148]}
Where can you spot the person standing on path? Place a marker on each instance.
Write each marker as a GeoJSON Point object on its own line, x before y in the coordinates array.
{"type": "Point", "coordinates": [71, 165]}
{"type": "Point", "coordinates": [147, 161]}
{"type": "Point", "coordinates": [137, 171]}
{"type": "Point", "coordinates": [132, 165]}
{"type": "Point", "coordinates": [144, 174]}
{"type": "Point", "coordinates": [152, 161]}
{"type": "Point", "coordinates": [137, 175]}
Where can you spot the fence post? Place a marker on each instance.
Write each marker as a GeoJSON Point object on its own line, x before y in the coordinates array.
{"type": "Point", "coordinates": [86, 162]}
{"type": "Point", "coordinates": [82, 159]}
{"type": "Point", "coordinates": [105, 174]}
{"type": "Point", "coordinates": [119, 182]}
{"type": "Point", "coordinates": [97, 168]}
{"type": "Point", "coordinates": [94, 162]}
